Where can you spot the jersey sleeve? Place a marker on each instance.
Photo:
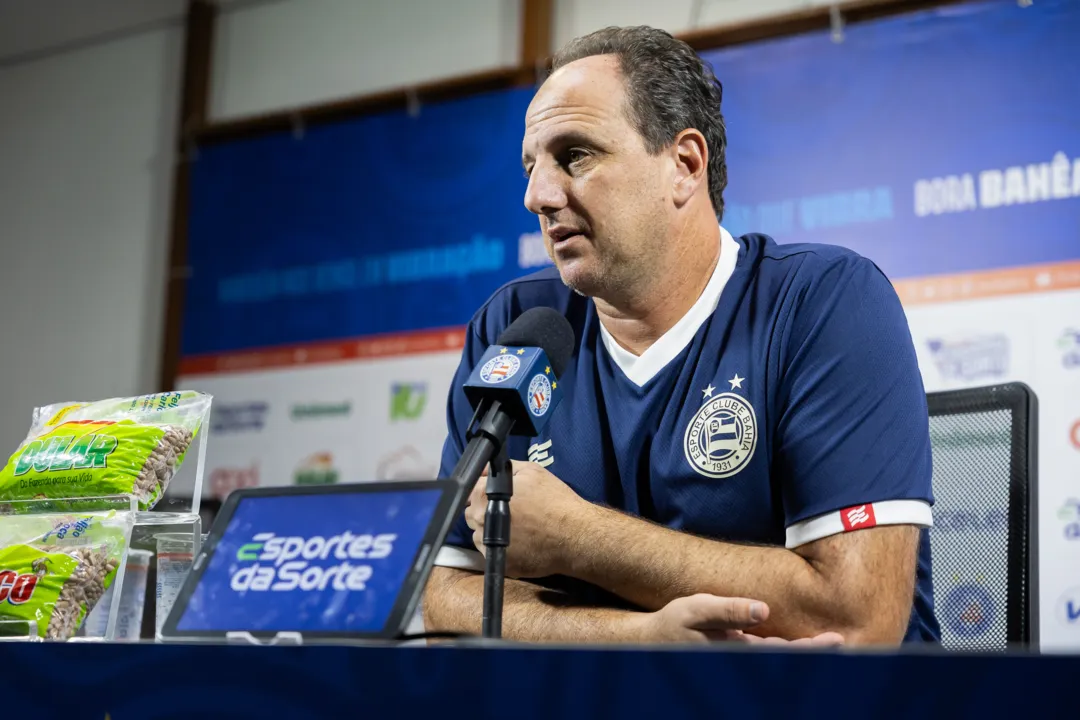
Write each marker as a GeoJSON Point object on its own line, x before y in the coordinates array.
{"type": "Point", "coordinates": [458, 549]}
{"type": "Point", "coordinates": [853, 436]}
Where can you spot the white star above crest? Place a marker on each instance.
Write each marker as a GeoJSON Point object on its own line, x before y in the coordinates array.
{"type": "Point", "coordinates": [707, 392]}
{"type": "Point", "coordinates": [736, 382]}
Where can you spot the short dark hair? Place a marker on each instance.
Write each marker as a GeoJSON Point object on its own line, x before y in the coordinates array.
{"type": "Point", "coordinates": [669, 89]}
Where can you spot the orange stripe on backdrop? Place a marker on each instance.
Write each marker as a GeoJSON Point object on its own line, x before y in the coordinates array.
{"type": "Point", "coordinates": [373, 346]}
{"type": "Point", "coordinates": [989, 283]}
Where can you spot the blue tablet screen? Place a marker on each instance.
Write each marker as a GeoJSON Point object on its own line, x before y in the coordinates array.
{"type": "Point", "coordinates": [332, 562]}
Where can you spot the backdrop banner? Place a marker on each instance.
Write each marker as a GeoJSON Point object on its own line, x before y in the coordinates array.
{"type": "Point", "coordinates": [333, 270]}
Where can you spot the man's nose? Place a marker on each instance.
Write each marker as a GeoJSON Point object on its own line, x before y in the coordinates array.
{"type": "Point", "coordinates": [546, 192]}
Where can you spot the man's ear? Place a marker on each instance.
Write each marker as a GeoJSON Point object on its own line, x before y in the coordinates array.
{"type": "Point", "coordinates": [691, 155]}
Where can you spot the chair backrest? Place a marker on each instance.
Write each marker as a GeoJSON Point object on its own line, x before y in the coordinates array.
{"type": "Point", "coordinates": [983, 542]}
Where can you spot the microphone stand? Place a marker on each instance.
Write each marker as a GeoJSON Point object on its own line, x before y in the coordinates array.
{"type": "Point", "coordinates": [487, 446]}
{"type": "Point", "coordinates": [500, 487]}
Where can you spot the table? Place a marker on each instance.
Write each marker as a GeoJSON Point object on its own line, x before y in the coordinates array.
{"type": "Point", "coordinates": [83, 680]}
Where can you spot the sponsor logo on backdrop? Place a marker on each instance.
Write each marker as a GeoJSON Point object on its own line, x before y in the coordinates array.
{"type": "Point", "coordinates": [316, 469]}
{"type": "Point", "coordinates": [405, 463]}
{"type": "Point", "coordinates": [1069, 345]}
{"type": "Point", "coordinates": [965, 521]}
{"type": "Point", "coordinates": [532, 252]}
{"type": "Point", "coordinates": [1068, 607]}
{"type": "Point", "coordinates": [320, 411]}
{"type": "Point", "coordinates": [968, 610]}
{"type": "Point", "coordinates": [540, 453]}
{"type": "Point", "coordinates": [1058, 179]}
{"type": "Point", "coordinates": [407, 400]}
{"type": "Point", "coordinates": [319, 562]}
{"type": "Point", "coordinates": [828, 210]}
{"type": "Point", "coordinates": [1074, 434]}
{"type": "Point", "coordinates": [441, 262]}
{"type": "Point", "coordinates": [238, 417]}
{"type": "Point", "coordinates": [224, 480]}
{"type": "Point", "coordinates": [1070, 515]}
{"type": "Point", "coordinates": [969, 358]}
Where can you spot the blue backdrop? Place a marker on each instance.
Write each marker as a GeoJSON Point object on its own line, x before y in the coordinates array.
{"type": "Point", "coordinates": [374, 225]}
{"type": "Point", "coordinates": [394, 223]}
{"type": "Point", "coordinates": [827, 140]}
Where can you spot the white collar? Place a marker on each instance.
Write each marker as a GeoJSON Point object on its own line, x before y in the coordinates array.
{"type": "Point", "coordinates": [642, 368]}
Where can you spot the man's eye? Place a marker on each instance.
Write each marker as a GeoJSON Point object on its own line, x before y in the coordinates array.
{"type": "Point", "coordinates": [576, 155]}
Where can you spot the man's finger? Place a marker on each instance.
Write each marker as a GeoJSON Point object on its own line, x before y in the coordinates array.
{"type": "Point", "coordinates": [723, 635]}
{"type": "Point", "coordinates": [709, 612]}
{"type": "Point", "coordinates": [781, 641]}
{"type": "Point", "coordinates": [476, 496]}
{"type": "Point", "coordinates": [474, 517]}
{"type": "Point", "coordinates": [829, 639]}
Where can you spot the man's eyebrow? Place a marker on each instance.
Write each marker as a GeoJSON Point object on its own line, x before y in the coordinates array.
{"type": "Point", "coordinates": [562, 140]}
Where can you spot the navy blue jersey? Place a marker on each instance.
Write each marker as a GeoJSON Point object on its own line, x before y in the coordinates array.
{"type": "Point", "coordinates": [785, 407]}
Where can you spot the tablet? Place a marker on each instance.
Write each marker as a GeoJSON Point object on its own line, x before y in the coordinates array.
{"type": "Point", "coordinates": [326, 563]}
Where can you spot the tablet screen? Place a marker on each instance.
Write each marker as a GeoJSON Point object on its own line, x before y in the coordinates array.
{"type": "Point", "coordinates": [311, 563]}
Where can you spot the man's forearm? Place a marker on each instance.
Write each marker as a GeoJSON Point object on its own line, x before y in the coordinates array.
{"type": "Point", "coordinates": [651, 565]}
{"type": "Point", "coordinates": [453, 602]}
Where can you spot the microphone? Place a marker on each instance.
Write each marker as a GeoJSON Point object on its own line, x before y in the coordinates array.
{"type": "Point", "coordinates": [513, 390]}
{"type": "Point", "coordinates": [514, 387]}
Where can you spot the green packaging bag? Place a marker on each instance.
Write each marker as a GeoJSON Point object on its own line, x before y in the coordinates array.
{"type": "Point", "coordinates": [120, 446]}
{"type": "Point", "coordinates": [51, 580]}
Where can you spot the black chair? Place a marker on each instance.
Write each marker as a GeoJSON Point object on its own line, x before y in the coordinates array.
{"type": "Point", "coordinates": [983, 542]}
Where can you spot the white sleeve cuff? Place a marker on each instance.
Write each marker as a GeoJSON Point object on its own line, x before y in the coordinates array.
{"type": "Point", "coordinates": [452, 556]}
{"type": "Point", "coordinates": [860, 517]}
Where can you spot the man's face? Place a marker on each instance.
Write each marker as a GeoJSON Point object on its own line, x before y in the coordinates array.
{"type": "Point", "coordinates": [602, 199]}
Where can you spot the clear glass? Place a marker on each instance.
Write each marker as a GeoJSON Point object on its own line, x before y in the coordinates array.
{"type": "Point", "coordinates": [175, 554]}
{"type": "Point", "coordinates": [19, 630]}
{"type": "Point", "coordinates": [130, 610]}
{"type": "Point", "coordinates": [52, 506]}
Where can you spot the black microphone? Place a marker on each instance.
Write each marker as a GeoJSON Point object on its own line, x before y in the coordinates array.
{"type": "Point", "coordinates": [513, 390]}
{"type": "Point", "coordinates": [498, 388]}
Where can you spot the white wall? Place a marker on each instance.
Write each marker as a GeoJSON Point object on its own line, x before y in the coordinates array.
{"type": "Point", "coordinates": [290, 53]}
{"type": "Point", "coordinates": [578, 17]}
{"type": "Point", "coordinates": [85, 175]}
{"type": "Point", "coordinates": [35, 28]}
{"type": "Point", "coordinates": [300, 52]}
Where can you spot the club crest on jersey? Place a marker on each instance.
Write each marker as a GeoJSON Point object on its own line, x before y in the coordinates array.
{"type": "Point", "coordinates": [539, 395]}
{"type": "Point", "coordinates": [499, 369]}
{"type": "Point", "coordinates": [721, 438]}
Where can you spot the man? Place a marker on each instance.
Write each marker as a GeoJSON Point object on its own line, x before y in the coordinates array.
{"type": "Point", "coordinates": [743, 450]}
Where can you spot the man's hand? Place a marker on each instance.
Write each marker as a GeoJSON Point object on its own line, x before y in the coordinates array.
{"type": "Point", "coordinates": [546, 515]}
{"type": "Point", "coordinates": [453, 600]}
{"type": "Point", "coordinates": [707, 618]}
